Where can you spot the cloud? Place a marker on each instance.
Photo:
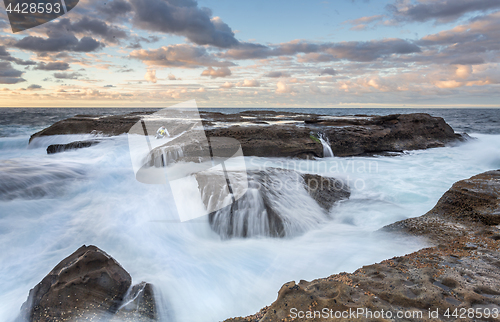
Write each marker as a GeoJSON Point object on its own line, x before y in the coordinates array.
{"type": "Point", "coordinates": [116, 8]}
{"type": "Point", "coordinates": [57, 65]}
{"type": "Point", "coordinates": [183, 18]}
{"type": "Point", "coordinates": [227, 85]}
{"type": "Point", "coordinates": [440, 11]}
{"type": "Point", "coordinates": [214, 73]}
{"type": "Point", "coordinates": [248, 83]}
{"type": "Point", "coordinates": [172, 77]}
{"type": "Point", "coordinates": [9, 75]}
{"type": "Point", "coordinates": [362, 23]}
{"type": "Point", "coordinates": [67, 75]}
{"type": "Point", "coordinates": [151, 76]}
{"type": "Point", "coordinates": [58, 42]}
{"type": "Point", "coordinates": [360, 51]}
{"type": "Point", "coordinates": [6, 56]}
{"type": "Point", "coordinates": [277, 74]}
{"type": "Point", "coordinates": [284, 88]}
{"type": "Point", "coordinates": [179, 56]}
{"type": "Point", "coordinates": [328, 71]}
{"type": "Point", "coordinates": [90, 26]}
{"type": "Point", "coordinates": [33, 87]}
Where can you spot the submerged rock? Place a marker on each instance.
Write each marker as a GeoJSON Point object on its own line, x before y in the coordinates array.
{"type": "Point", "coordinates": [55, 148]}
{"type": "Point", "coordinates": [459, 275]}
{"type": "Point", "coordinates": [88, 284]}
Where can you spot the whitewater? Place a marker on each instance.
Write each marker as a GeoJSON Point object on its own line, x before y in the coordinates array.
{"type": "Point", "coordinates": [50, 205]}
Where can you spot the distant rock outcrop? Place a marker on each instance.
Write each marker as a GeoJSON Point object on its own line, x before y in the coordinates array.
{"type": "Point", "coordinates": [273, 134]}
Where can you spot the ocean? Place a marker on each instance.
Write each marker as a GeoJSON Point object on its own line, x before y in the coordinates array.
{"type": "Point", "coordinates": [50, 205]}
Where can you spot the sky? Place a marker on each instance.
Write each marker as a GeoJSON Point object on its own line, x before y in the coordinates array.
{"type": "Point", "coordinates": [273, 53]}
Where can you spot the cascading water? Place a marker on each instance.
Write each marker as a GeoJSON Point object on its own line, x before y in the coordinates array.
{"type": "Point", "coordinates": [327, 150]}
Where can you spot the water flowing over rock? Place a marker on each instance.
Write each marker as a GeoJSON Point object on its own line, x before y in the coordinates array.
{"type": "Point", "coordinates": [88, 284]}
{"type": "Point", "coordinates": [460, 274]}
{"type": "Point", "coordinates": [265, 208]}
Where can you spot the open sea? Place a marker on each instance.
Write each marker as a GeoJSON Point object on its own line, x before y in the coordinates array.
{"type": "Point", "coordinates": [50, 205]}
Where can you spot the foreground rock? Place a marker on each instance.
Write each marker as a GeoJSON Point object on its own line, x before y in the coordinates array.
{"type": "Point", "coordinates": [273, 134]}
{"type": "Point", "coordinates": [458, 277]}
{"type": "Point", "coordinates": [264, 209]}
{"type": "Point", "coordinates": [88, 284]}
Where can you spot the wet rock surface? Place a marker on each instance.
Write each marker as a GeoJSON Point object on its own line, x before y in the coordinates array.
{"type": "Point", "coordinates": [88, 284]}
{"type": "Point", "coordinates": [56, 148]}
{"type": "Point", "coordinates": [278, 134]}
{"type": "Point", "coordinates": [447, 282]}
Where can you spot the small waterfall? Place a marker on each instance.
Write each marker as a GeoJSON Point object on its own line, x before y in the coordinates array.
{"type": "Point", "coordinates": [327, 150]}
{"type": "Point", "coordinates": [266, 207]}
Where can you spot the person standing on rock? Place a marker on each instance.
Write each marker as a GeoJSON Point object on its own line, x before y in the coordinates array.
{"type": "Point", "coordinates": [161, 133]}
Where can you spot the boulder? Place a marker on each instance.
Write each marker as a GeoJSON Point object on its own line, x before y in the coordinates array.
{"type": "Point", "coordinates": [86, 284]}
{"type": "Point", "coordinates": [56, 148]}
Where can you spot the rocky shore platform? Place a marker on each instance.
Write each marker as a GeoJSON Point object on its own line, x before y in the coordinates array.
{"type": "Point", "coordinates": [286, 134]}
{"type": "Point", "coordinates": [458, 279]}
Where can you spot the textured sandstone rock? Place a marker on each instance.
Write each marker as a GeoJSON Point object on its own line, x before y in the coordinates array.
{"type": "Point", "coordinates": [461, 273]}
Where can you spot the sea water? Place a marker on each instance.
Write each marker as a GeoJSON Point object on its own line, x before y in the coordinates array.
{"type": "Point", "coordinates": [52, 204]}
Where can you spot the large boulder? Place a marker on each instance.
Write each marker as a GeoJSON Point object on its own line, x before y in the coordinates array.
{"type": "Point", "coordinates": [86, 284]}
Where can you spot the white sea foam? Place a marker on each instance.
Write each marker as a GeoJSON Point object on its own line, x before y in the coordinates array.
{"type": "Point", "coordinates": [201, 277]}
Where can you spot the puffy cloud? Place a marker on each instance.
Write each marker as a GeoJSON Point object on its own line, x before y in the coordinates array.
{"type": "Point", "coordinates": [33, 87]}
{"type": "Point", "coordinates": [463, 71]}
{"type": "Point", "coordinates": [172, 77]}
{"type": "Point", "coordinates": [116, 8]}
{"type": "Point", "coordinates": [178, 56]}
{"type": "Point", "coordinates": [184, 18]}
{"type": "Point", "coordinates": [6, 56]}
{"type": "Point", "coordinates": [214, 73]}
{"type": "Point", "coordinates": [151, 76]}
{"type": "Point", "coordinates": [277, 74]}
{"type": "Point", "coordinates": [59, 42]}
{"type": "Point", "coordinates": [284, 88]}
{"type": "Point", "coordinates": [248, 83]}
{"type": "Point", "coordinates": [90, 26]}
{"type": "Point", "coordinates": [440, 11]}
{"type": "Point", "coordinates": [67, 75]}
{"type": "Point", "coordinates": [360, 51]}
{"type": "Point", "coordinates": [328, 71]}
{"type": "Point", "coordinates": [9, 75]}
{"type": "Point", "coordinates": [57, 65]}
{"type": "Point", "coordinates": [227, 85]}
